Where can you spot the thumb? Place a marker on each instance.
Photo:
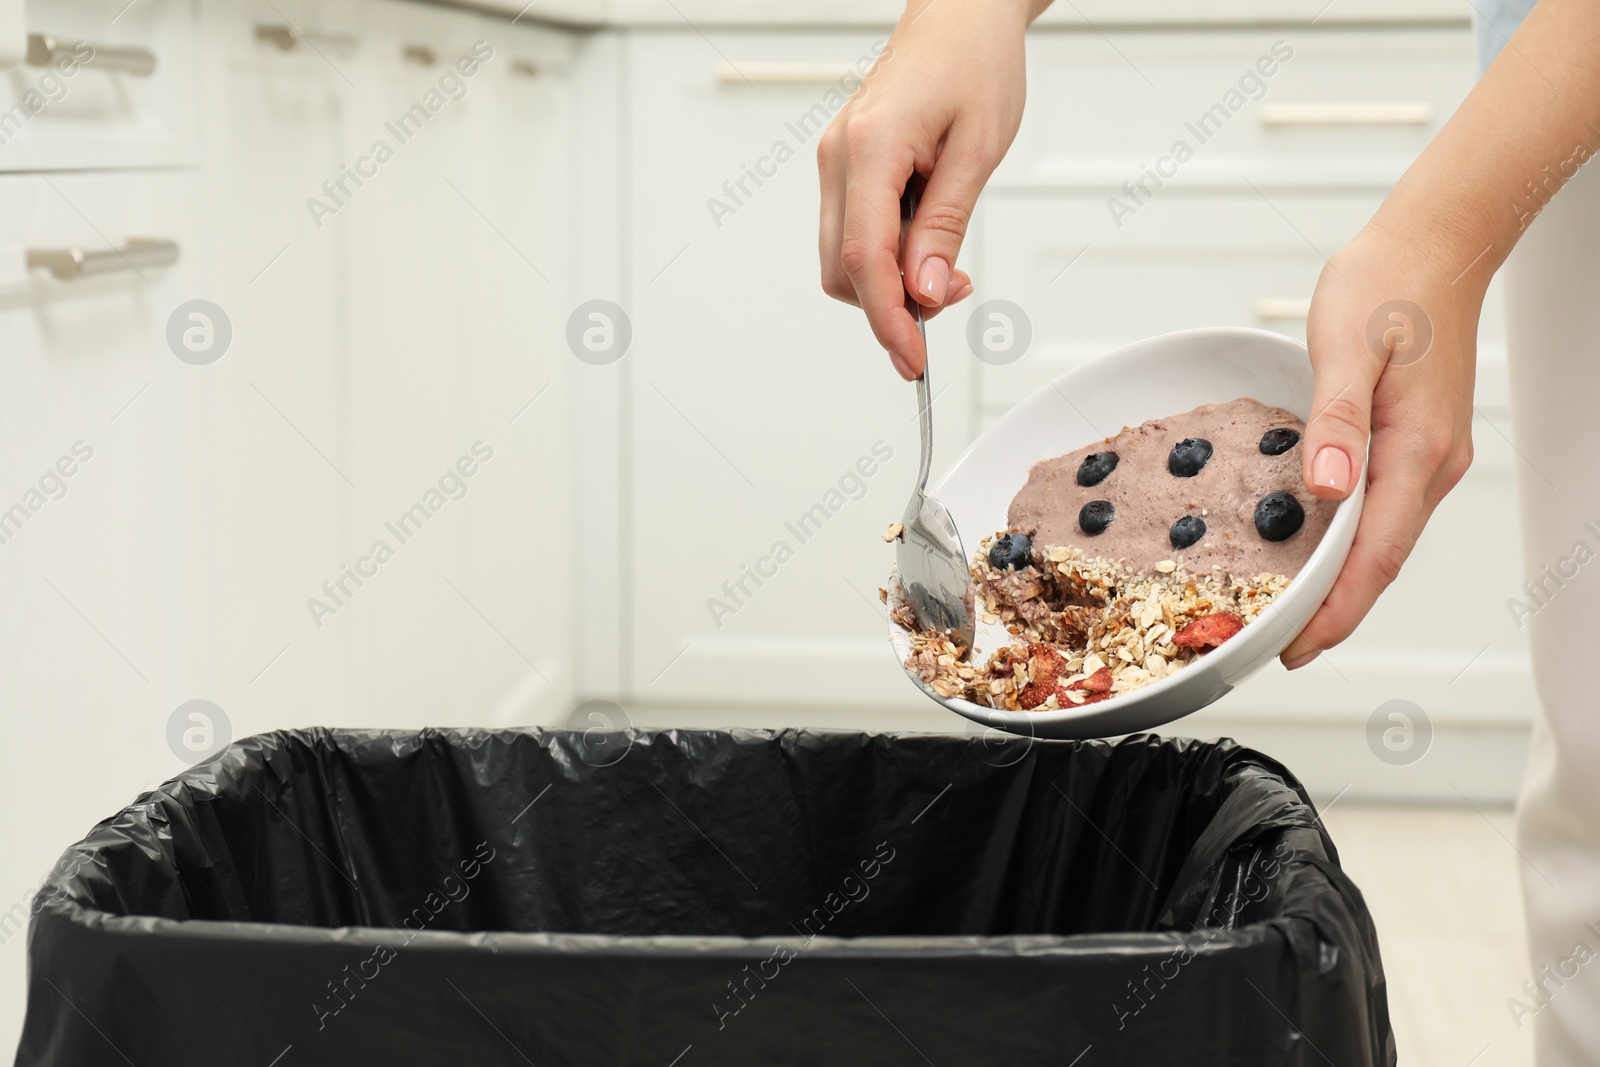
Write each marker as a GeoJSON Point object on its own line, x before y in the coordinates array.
{"type": "Point", "coordinates": [934, 238]}
{"type": "Point", "coordinates": [1335, 445]}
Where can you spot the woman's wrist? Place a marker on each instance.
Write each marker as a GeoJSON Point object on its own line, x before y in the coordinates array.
{"type": "Point", "coordinates": [1509, 148]}
{"type": "Point", "coordinates": [1444, 239]}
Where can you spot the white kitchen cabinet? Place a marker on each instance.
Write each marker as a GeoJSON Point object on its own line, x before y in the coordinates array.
{"type": "Point", "coordinates": [750, 397]}
{"type": "Point", "coordinates": [273, 411]}
{"type": "Point", "coordinates": [383, 328]}
{"type": "Point", "coordinates": [95, 510]}
{"type": "Point", "coordinates": [458, 301]}
{"type": "Point", "coordinates": [95, 569]}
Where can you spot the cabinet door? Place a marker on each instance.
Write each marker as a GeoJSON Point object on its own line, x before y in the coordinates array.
{"type": "Point", "coordinates": [96, 589]}
{"type": "Point", "coordinates": [458, 381]}
{"type": "Point", "coordinates": [769, 442]}
{"type": "Point", "coordinates": [270, 416]}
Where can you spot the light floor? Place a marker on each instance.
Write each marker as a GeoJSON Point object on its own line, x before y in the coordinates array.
{"type": "Point", "coordinates": [1442, 885]}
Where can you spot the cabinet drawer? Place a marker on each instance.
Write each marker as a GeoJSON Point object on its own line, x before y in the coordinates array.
{"type": "Point", "coordinates": [104, 83]}
{"type": "Point", "coordinates": [1315, 105]}
{"type": "Point", "coordinates": [1184, 260]}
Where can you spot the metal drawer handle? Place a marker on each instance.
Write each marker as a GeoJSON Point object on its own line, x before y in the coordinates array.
{"type": "Point", "coordinates": [1283, 307]}
{"type": "Point", "coordinates": [781, 73]}
{"type": "Point", "coordinates": [68, 264]}
{"type": "Point", "coordinates": [287, 39]}
{"type": "Point", "coordinates": [45, 49]}
{"type": "Point", "coordinates": [1418, 113]}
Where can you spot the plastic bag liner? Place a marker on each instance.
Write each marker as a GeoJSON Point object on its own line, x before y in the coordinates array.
{"type": "Point", "coordinates": [684, 898]}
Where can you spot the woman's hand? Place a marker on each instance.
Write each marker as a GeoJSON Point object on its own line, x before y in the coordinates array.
{"type": "Point", "coordinates": [1393, 338]}
{"type": "Point", "coordinates": [945, 102]}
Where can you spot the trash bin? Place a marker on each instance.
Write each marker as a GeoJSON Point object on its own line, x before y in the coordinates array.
{"type": "Point", "coordinates": [686, 898]}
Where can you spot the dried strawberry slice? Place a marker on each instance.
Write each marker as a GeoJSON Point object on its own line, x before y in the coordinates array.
{"type": "Point", "coordinates": [1208, 631]}
{"type": "Point", "coordinates": [1098, 682]}
{"type": "Point", "coordinates": [1045, 665]}
{"type": "Point", "coordinates": [1089, 697]}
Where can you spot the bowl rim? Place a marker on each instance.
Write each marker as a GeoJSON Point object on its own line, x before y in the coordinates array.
{"type": "Point", "coordinates": [1345, 517]}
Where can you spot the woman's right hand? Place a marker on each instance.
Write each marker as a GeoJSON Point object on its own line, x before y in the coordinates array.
{"type": "Point", "coordinates": [944, 101]}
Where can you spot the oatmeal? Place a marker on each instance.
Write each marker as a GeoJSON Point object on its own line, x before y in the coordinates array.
{"type": "Point", "coordinates": [1084, 629]}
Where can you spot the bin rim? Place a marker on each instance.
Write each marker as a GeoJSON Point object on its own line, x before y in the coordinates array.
{"type": "Point", "coordinates": [1282, 929]}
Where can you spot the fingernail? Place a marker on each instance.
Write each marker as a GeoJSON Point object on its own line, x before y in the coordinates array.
{"type": "Point", "coordinates": [901, 366]}
{"type": "Point", "coordinates": [1298, 654]}
{"type": "Point", "coordinates": [934, 280]}
{"type": "Point", "coordinates": [1331, 468]}
{"type": "Point", "coordinates": [960, 294]}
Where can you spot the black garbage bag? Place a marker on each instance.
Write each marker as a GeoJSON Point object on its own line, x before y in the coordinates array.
{"type": "Point", "coordinates": [685, 898]}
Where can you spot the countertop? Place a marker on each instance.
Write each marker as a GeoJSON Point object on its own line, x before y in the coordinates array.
{"type": "Point", "coordinates": [1066, 14]}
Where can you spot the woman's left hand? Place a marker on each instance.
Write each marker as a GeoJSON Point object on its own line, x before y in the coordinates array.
{"type": "Point", "coordinates": [1393, 339]}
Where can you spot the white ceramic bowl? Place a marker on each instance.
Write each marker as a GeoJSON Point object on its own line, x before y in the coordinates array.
{"type": "Point", "coordinates": [1152, 379]}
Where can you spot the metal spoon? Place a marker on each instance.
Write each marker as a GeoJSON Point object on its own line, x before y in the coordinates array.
{"type": "Point", "coordinates": [931, 561]}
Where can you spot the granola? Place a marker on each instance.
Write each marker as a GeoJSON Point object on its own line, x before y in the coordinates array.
{"type": "Point", "coordinates": [1084, 628]}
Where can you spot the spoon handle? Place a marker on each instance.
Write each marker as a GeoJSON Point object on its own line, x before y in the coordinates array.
{"type": "Point", "coordinates": [908, 208]}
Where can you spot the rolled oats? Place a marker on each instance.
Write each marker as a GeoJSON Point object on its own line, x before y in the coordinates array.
{"type": "Point", "coordinates": [1092, 613]}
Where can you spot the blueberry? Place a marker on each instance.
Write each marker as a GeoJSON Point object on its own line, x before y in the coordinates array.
{"type": "Point", "coordinates": [1279, 516]}
{"type": "Point", "coordinates": [1277, 441]}
{"type": "Point", "coordinates": [1188, 456]}
{"type": "Point", "coordinates": [1095, 516]}
{"type": "Point", "coordinates": [1011, 552]}
{"type": "Point", "coordinates": [1096, 467]}
{"type": "Point", "coordinates": [1187, 530]}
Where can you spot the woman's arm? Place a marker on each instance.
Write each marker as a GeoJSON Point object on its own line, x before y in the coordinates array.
{"type": "Point", "coordinates": [1407, 373]}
